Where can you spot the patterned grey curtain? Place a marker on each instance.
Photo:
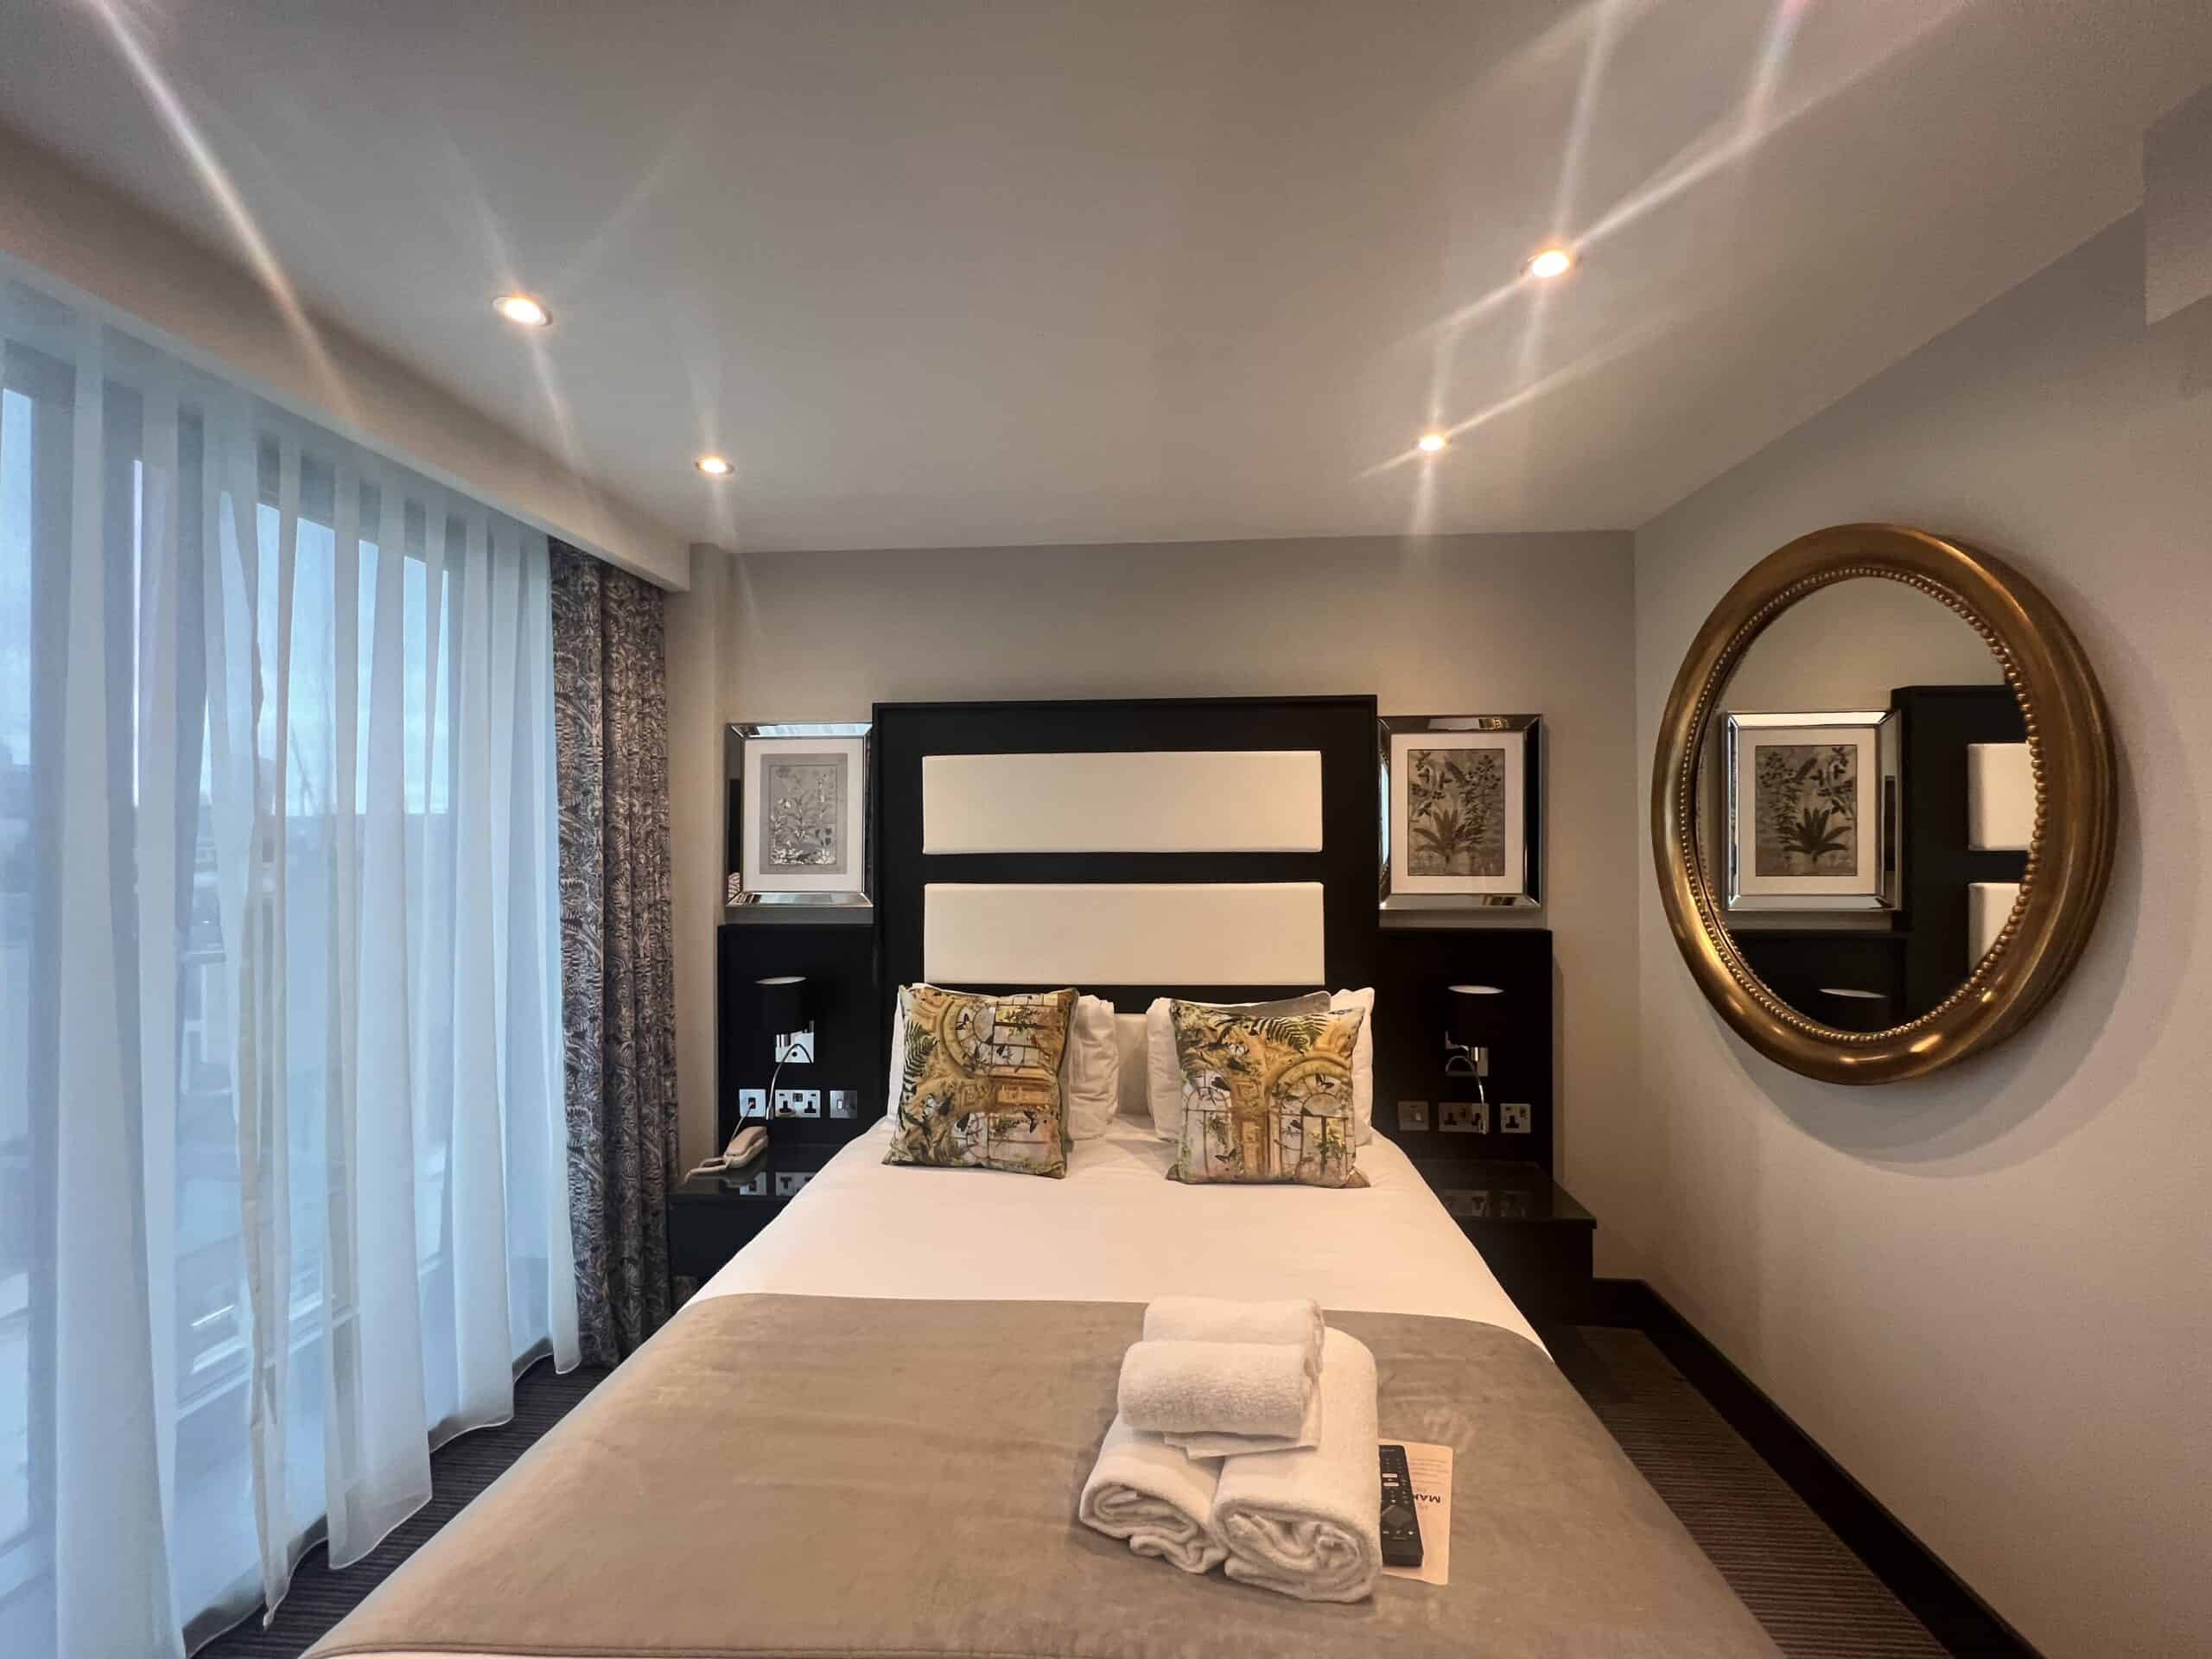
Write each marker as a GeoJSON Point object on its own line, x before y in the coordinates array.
{"type": "Point", "coordinates": [610, 722]}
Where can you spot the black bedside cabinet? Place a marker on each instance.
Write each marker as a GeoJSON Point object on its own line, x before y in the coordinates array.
{"type": "Point", "coordinates": [712, 1217]}
{"type": "Point", "coordinates": [1531, 1232]}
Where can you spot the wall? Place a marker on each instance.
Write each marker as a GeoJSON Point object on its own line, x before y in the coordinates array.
{"type": "Point", "coordinates": [1502, 624]}
{"type": "Point", "coordinates": [1986, 1293]}
{"type": "Point", "coordinates": [65, 227]}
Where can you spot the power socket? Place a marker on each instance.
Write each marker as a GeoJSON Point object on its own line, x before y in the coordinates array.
{"type": "Point", "coordinates": [795, 1047]}
{"type": "Point", "coordinates": [798, 1103]}
{"type": "Point", "coordinates": [844, 1102]}
{"type": "Point", "coordinates": [752, 1103]}
{"type": "Point", "coordinates": [789, 1181]}
{"type": "Point", "coordinates": [1463, 1117]}
{"type": "Point", "coordinates": [1515, 1117]}
{"type": "Point", "coordinates": [1413, 1114]}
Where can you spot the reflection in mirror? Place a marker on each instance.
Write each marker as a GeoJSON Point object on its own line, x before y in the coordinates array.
{"type": "Point", "coordinates": [1865, 803]}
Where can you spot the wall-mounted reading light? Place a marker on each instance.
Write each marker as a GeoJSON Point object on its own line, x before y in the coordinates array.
{"type": "Point", "coordinates": [1474, 1020]}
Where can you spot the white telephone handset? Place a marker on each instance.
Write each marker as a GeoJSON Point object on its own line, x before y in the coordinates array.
{"type": "Point", "coordinates": [747, 1144]}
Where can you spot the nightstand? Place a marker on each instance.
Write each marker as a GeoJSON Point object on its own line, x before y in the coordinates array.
{"type": "Point", "coordinates": [1534, 1236]}
{"type": "Point", "coordinates": [711, 1217]}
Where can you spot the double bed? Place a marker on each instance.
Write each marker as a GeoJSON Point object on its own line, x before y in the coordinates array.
{"type": "Point", "coordinates": [867, 1434]}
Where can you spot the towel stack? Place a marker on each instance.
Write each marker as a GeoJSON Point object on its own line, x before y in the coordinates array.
{"type": "Point", "coordinates": [1245, 1439]}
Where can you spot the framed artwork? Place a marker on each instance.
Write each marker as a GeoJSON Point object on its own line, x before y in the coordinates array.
{"type": "Point", "coordinates": [1462, 813]}
{"type": "Point", "coordinates": [1813, 811]}
{"type": "Point", "coordinates": [797, 822]}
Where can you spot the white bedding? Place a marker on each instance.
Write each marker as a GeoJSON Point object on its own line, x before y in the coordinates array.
{"type": "Point", "coordinates": [1117, 1230]}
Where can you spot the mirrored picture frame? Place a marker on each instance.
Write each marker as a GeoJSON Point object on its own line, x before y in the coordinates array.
{"type": "Point", "coordinates": [798, 845]}
{"type": "Point", "coordinates": [1812, 810]}
{"type": "Point", "coordinates": [1462, 812]}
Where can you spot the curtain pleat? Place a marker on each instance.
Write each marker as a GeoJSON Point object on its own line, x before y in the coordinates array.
{"type": "Point", "coordinates": [617, 958]}
{"type": "Point", "coordinates": [283, 1195]}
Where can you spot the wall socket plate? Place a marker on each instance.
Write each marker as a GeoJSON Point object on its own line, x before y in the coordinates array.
{"type": "Point", "coordinates": [798, 1103]}
{"type": "Point", "coordinates": [795, 1047]}
{"type": "Point", "coordinates": [1515, 1117]}
{"type": "Point", "coordinates": [752, 1103]}
{"type": "Point", "coordinates": [789, 1181]}
{"type": "Point", "coordinates": [1462, 1116]}
{"type": "Point", "coordinates": [1413, 1114]}
{"type": "Point", "coordinates": [844, 1102]}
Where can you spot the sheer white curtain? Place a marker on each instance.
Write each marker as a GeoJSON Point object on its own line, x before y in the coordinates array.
{"type": "Point", "coordinates": [282, 1188]}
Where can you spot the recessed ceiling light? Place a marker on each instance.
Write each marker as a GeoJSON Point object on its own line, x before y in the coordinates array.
{"type": "Point", "coordinates": [1429, 442]}
{"type": "Point", "coordinates": [521, 307]}
{"type": "Point", "coordinates": [1551, 261]}
{"type": "Point", "coordinates": [712, 466]}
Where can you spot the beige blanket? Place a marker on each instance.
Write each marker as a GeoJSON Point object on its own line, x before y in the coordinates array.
{"type": "Point", "coordinates": [795, 1475]}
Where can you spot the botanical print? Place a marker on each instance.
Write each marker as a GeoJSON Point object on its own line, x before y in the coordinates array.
{"type": "Point", "coordinates": [1265, 1097]}
{"type": "Point", "coordinates": [981, 1084]}
{"type": "Point", "coordinates": [1806, 810]}
{"type": "Point", "coordinates": [802, 815]}
{"type": "Point", "coordinates": [1455, 811]}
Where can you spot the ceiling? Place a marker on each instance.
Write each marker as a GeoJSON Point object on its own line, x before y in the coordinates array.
{"type": "Point", "coordinates": [969, 274]}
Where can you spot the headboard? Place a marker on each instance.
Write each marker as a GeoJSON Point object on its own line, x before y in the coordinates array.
{"type": "Point", "coordinates": [1227, 849]}
{"type": "Point", "coordinates": [1221, 848]}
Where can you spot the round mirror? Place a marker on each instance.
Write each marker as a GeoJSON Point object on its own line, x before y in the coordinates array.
{"type": "Point", "coordinates": [1883, 806]}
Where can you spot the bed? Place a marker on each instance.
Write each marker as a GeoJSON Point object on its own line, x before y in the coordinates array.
{"type": "Point", "coordinates": [867, 1434]}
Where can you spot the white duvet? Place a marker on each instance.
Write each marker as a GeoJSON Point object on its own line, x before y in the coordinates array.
{"type": "Point", "coordinates": [1117, 1230]}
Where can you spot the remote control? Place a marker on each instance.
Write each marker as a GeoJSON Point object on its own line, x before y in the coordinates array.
{"type": "Point", "coordinates": [1401, 1520]}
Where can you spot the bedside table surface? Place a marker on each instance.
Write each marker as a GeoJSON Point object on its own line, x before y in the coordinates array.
{"type": "Point", "coordinates": [802, 1158]}
{"type": "Point", "coordinates": [1540, 1198]}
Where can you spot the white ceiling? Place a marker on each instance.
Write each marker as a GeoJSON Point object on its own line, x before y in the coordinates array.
{"type": "Point", "coordinates": [947, 274]}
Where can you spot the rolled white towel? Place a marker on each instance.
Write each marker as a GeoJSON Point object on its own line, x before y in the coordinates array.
{"type": "Point", "coordinates": [1146, 1491]}
{"type": "Point", "coordinates": [1295, 1320]}
{"type": "Point", "coordinates": [1309, 1523]}
{"type": "Point", "coordinates": [1237, 1445]}
{"type": "Point", "coordinates": [1216, 1388]}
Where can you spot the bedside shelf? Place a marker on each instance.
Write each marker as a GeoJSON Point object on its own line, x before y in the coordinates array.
{"type": "Point", "coordinates": [1530, 1230]}
{"type": "Point", "coordinates": [711, 1217]}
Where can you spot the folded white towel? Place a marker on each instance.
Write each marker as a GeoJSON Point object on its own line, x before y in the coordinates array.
{"type": "Point", "coordinates": [1309, 1523]}
{"type": "Point", "coordinates": [1216, 1388]}
{"type": "Point", "coordinates": [1149, 1493]}
{"type": "Point", "coordinates": [1296, 1321]}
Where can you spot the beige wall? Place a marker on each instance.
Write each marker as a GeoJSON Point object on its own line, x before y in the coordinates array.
{"type": "Point", "coordinates": [1989, 1293]}
{"type": "Point", "coordinates": [61, 226]}
{"type": "Point", "coordinates": [1503, 623]}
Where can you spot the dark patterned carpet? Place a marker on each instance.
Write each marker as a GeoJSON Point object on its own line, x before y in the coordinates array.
{"type": "Point", "coordinates": [1816, 1597]}
{"type": "Point", "coordinates": [459, 1470]}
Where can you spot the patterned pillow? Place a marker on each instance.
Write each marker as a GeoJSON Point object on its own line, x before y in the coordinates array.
{"type": "Point", "coordinates": [981, 1088]}
{"type": "Point", "coordinates": [1267, 1097]}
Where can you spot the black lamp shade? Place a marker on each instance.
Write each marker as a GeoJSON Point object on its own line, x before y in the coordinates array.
{"type": "Point", "coordinates": [782, 1003]}
{"type": "Point", "coordinates": [1475, 1014]}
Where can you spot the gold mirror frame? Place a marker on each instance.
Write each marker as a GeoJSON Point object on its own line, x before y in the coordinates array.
{"type": "Point", "coordinates": [2070, 753]}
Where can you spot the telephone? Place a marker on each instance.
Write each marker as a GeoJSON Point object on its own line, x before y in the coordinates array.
{"type": "Point", "coordinates": [747, 1144]}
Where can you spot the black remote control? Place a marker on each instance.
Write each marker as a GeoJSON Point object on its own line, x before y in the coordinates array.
{"type": "Point", "coordinates": [1401, 1520]}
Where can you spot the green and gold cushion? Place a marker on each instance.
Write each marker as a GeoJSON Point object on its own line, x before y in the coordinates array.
{"type": "Point", "coordinates": [980, 1087]}
{"type": "Point", "coordinates": [1267, 1097]}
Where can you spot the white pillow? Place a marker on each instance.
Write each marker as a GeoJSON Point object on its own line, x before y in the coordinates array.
{"type": "Point", "coordinates": [1090, 1067]}
{"type": "Point", "coordinates": [1090, 1075]}
{"type": "Point", "coordinates": [1164, 1070]}
{"type": "Point", "coordinates": [1131, 1052]}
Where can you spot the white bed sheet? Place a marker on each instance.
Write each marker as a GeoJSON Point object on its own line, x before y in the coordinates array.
{"type": "Point", "coordinates": [1117, 1230]}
